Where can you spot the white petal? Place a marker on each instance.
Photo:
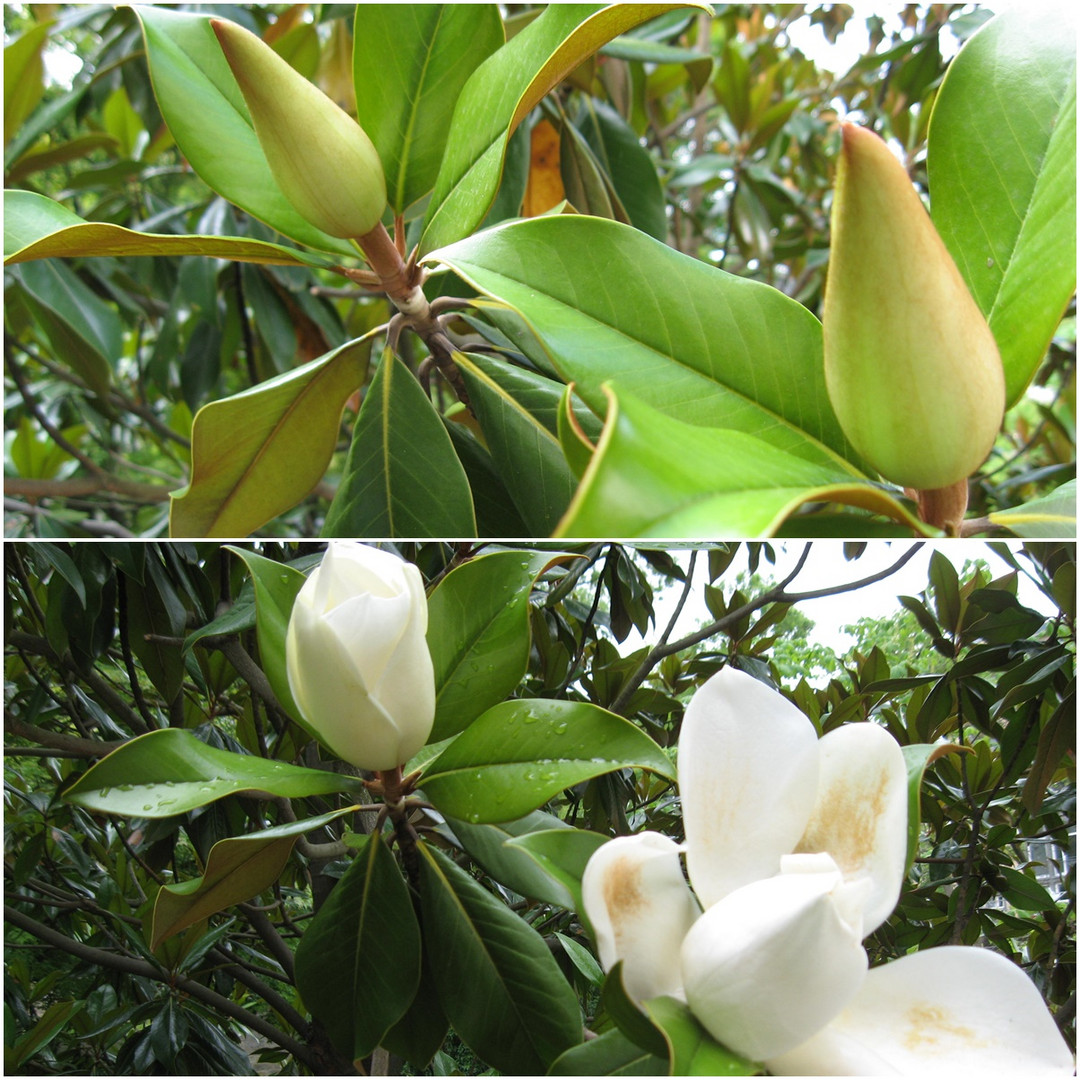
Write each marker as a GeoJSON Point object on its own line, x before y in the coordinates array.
{"type": "Point", "coordinates": [748, 769]}
{"type": "Point", "coordinates": [861, 814]}
{"type": "Point", "coordinates": [773, 962]}
{"type": "Point", "coordinates": [640, 908]}
{"type": "Point", "coordinates": [951, 1011]}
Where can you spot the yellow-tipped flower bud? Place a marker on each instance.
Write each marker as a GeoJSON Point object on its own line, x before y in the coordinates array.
{"type": "Point", "coordinates": [911, 366]}
{"type": "Point", "coordinates": [320, 156]}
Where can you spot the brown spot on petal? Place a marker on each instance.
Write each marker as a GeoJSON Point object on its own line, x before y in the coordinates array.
{"type": "Point", "coordinates": [844, 822]}
{"type": "Point", "coordinates": [926, 1026]}
{"type": "Point", "coordinates": [622, 888]}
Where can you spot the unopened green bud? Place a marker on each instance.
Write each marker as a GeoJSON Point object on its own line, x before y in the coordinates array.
{"type": "Point", "coordinates": [912, 369]}
{"type": "Point", "coordinates": [320, 156]}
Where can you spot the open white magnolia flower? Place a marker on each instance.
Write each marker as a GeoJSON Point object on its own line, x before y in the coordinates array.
{"type": "Point", "coordinates": [796, 849]}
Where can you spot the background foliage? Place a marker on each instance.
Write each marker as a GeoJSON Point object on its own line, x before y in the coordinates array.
{"type": "Point", "coordinates": [714, 135]}
{"type": "Point", "coordinates": [108, 642]}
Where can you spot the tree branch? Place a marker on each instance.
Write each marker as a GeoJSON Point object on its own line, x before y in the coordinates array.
{"type": "Point", "coordinates": [86, 485]}
{"type": "Point", "coordinates": [778, 594]}
{"type": "Point", "coordinates": [69, 745]}
{"type": "Point", "coordinates": [130, 966]}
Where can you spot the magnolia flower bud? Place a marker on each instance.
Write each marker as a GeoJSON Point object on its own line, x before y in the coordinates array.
{"type": "Point", "coordinates": [357, 658]}
{"type": "Point", "coordinates": [912, 369]}
{"type": "Point", "coordinates": [320, 156]}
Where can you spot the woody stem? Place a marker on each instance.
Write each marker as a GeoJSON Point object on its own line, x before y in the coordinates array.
{"type": "Point", "coordinates": [401, 281]}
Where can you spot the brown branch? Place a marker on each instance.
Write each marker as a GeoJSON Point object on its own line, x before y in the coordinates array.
{"type": "Point", "coordinates": [86, 485]}
{"type": "Point", "coordinates": [68, 745]}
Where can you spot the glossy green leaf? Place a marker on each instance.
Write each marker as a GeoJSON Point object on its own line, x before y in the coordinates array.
{"type": "Point", "coordinates": [609, 1054]}
{"type": "Point", "coordinates": [562, 855]}
{"type": "Point", "coordinates": [500, 93]}
{"type": "Point", "coordinates": [628, 164]}
{"type": "Point", "coordinates": [693, 1051]}
{"type": "Point", "coordinates": [1051, 516]}
{"type": "Point", "coordinates": [1057, 743]}
{"type": "Point", "coordinates": [520, 1013]}
{"type": "Point", "coordinates": [155, 618]}
{"type": "Point", "coordinates": [582, 959]}
{"type": "Point", "coordinates": [402, 477]}
{"type": "Point", "coordinates": [417, 1036]}
{"type": "Point", "coordinates": [520, 753]}
{"type": "Point", "coordinates": [206, 113]}
{"type": "Point", "coordinates": [1025, 893]}
{"type": "Point", "coordinates": [516, 410]}
{"type": "Point", "coordinates": [491, 846]}
{"type": "Point", "coordinates": [587, 189]}
{"type": "Point", "coordinates": [358, 963]}
{"type": "Point", "coordinates": [713, 349]}
{"type": "Point", "coordinates": [258, 453]}
{"type": "Point", "coordinates": [690, 481]}
{"type": "Point", "coordinates": [276, 586]}
{"type": "Point", "coordinates": [39, 228]}
{"type": "Point", "coordinates": [237, 869]}
{"type": "Point", "coordinates": [918, 757]}
{"type": "Point", "coordinates": [170, 771]}
{"type": "Point", "coordinates": [23, 76]}
{"type": "Point", "coordinates": [46, 1027]}
{"type": "Point", "coordinates": [478, 634]}
{"type": "Point", "coordinates": [1001, 156]}
{"type": "Point", "coordinates": [85, 333]}
{"type": "Point", "coordinates": [410, 63]}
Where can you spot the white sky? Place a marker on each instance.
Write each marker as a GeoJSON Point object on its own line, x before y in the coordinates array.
{"type": "Point", "coordinates": [827, 566]}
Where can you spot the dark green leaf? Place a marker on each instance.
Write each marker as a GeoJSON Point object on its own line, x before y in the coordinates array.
{"type": "Point", "coordinates": [402, 477]}
{"type": "Point", "coordinates": [358, 963]}
{"type": "Point", "coordinates": [519, 1013]}
{"type": "Point", "coordinates": [512, 405]}
{"type": "Point", "coordinates": [276, 586]}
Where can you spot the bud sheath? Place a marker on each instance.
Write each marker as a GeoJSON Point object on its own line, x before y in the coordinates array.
{"type": "Point", "coordinates": [912, 369]}
{"type": "Point", "coordinates": [320, 156]}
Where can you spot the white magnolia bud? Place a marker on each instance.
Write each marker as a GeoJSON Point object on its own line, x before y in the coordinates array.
{"type": "Point", "coordinates": [357, 657]}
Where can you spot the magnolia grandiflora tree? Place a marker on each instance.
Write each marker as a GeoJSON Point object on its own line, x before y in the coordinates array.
{"type": "Point", "coordinates": [461, 242]}
{"type": "Point", "coordinates": [371, 810]}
